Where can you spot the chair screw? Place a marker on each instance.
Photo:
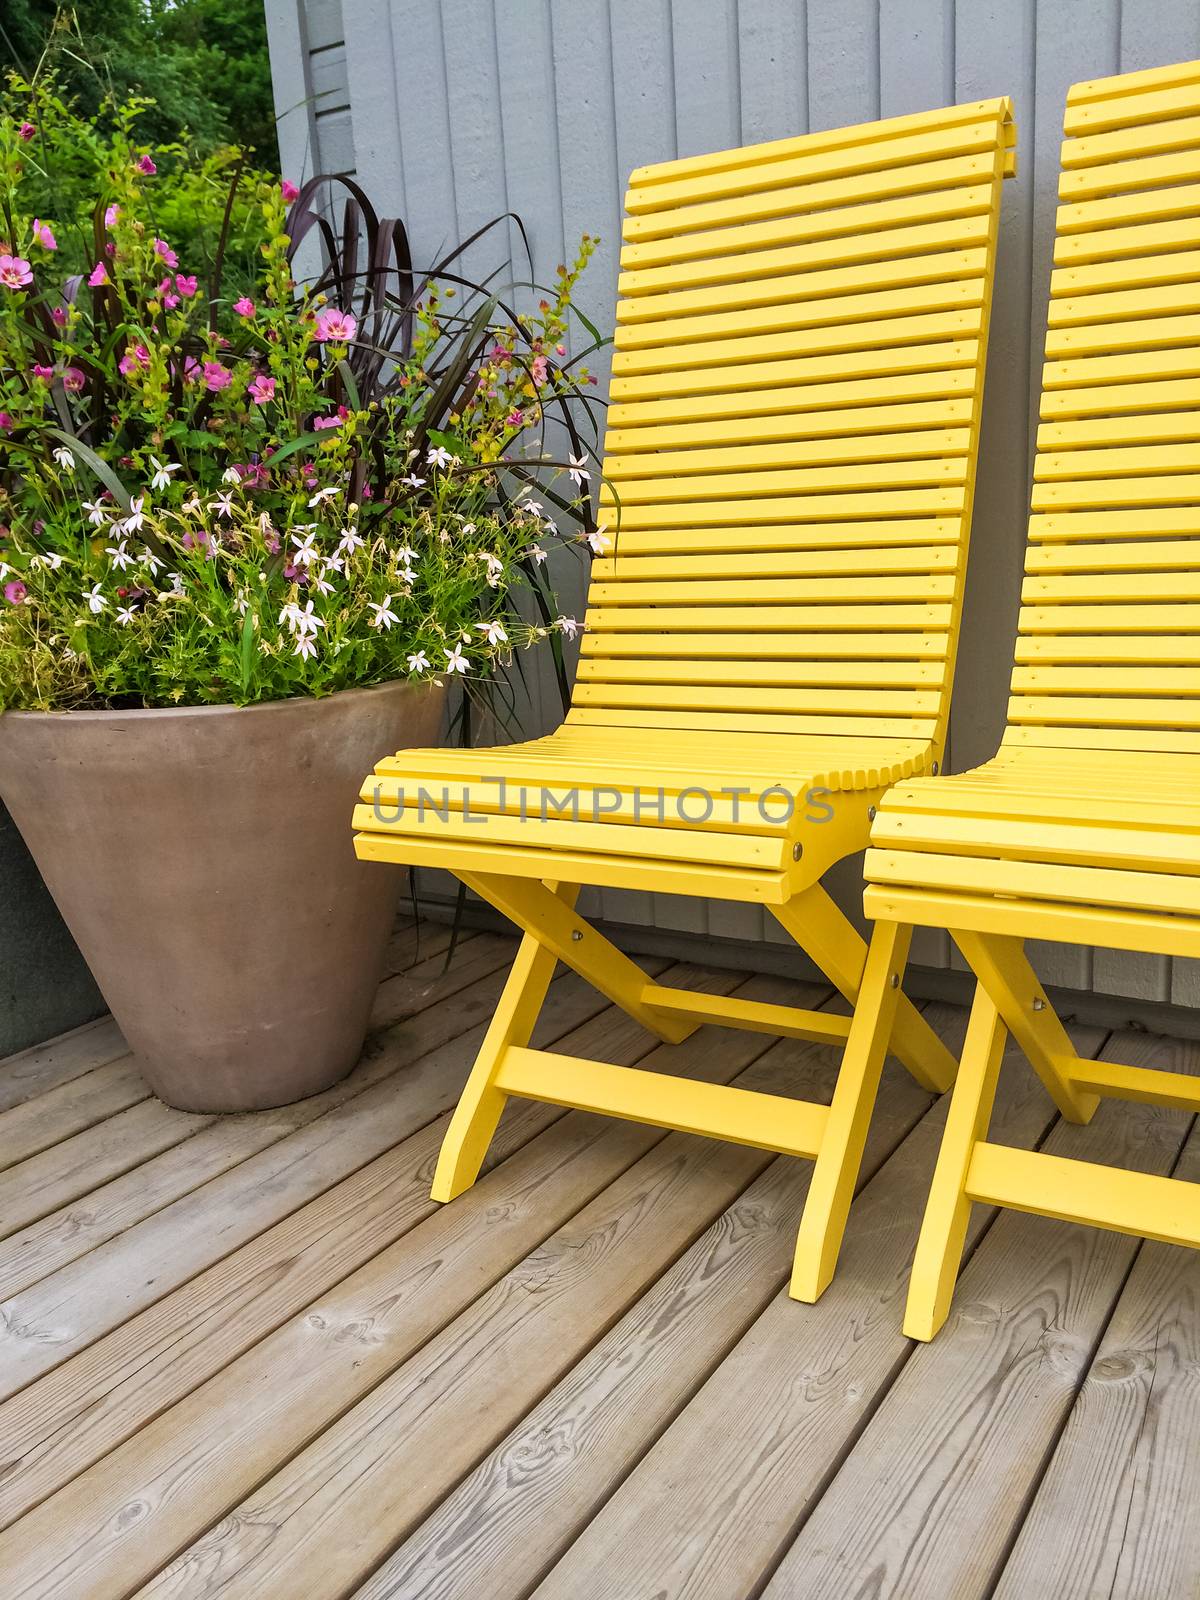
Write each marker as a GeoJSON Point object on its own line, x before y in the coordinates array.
{"type": "Point", "coordinates": [576, 935]}
{"type": "Point", "coordinates": [1039, 1004]}
{"type": "Point", "coordinates": [797, 851]}
{"type": "Point", "coordinates": [895, 980]}
{"type": "Point", "coordinates": [871, 813]}
{"type": "Point", "coordinates": [936, 768]}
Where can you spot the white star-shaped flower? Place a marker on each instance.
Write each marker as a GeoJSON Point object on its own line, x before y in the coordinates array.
{"type": "Point", "coordinates": [162, 473]}
{"type": "Point", "coordinates": [384, 615]}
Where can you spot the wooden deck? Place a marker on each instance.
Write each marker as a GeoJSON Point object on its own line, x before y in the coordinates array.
{"type": "Point", "coordinates": [247, 1356]}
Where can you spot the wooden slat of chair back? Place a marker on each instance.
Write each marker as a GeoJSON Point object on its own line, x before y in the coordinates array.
{"type": "Point", "coordinates": [1109, 648]}
{"type": "Point", "coordinates": [791, 449]}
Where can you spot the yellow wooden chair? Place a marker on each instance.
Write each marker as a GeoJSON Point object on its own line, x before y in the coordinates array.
{"type": "Point", "coordinates": [791, 447]}
{"type": "Point", "coordinates": [1085, 827]}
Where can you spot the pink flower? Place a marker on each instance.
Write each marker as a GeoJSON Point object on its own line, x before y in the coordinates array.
{"type": "Point", "coordinates": [73, 380]}
{"type": "Point", "coordinates": [216, 377]}
{"type": "Point", "coordinates": [514, 419]}
{"type": "Point", "coordinates": [136, 355]}
{"type": "Point", "coordinates": [6, 422]}
{"type": "Point", "coordinates": [185, 284]}
{"type": "Point", "coordinates": [165, 254]}
{"type": "Point", "coordinates": [43, 234]}
{"type": "Point", "coordinates": [244, 307]}
{"type": "Point", "coordinates": [59, 316]}
{"type": "Point", "coordinates": [261, 389]}
{"type": "Point", "coordinates": [335, 327]}
{"type": "Point", "coordinates": [538, 370]}
{"type": "Point", "coordinates": [327, 422]}
{"type": "Point", "coordinates": [111, 214]}
{"type": "Point", "coordinates": [146, 166]}
{"type": "Point", "coordinates": [15, 592]}
{"type": "Point", "coordinates": [45, 373]}
{"type": "Point", "coordinates": [191, 370]}
{"type": "Point", "coordinates": [27, 131]}
{"type": "Point", "coordinates": [169, 300]}
{"type": "Point", "coordinates": [289, 191]}
{"type": "Point", "coordinates": [15, 272]}
{"type": "Point", "coordinates": [99, 276]}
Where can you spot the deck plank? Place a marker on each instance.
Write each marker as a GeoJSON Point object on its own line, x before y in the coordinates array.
{"type": "Point", "coordinates": [1115, 1514]}
{"type": "Point", "coordinates": [752, 1452]}
{"type": "Point", "coordinates": [384, 1464]}
{"type": "Point", "coordinates": [102, 1213]}
{"type": "Point", "coordinates": [28, 1129]}
{"type": "Point", "coordinates": [231, 1293]}
{"type": "Point", "coordinates": [933, 1492]}
{"type": "Point", "coordinates": [123, 1519]}
{"type": "Point", "coordinates": [584, 1379]}
{"type": "Point", "coordinates": [68, 1056]}
{"type": "Point", "coordinates": [50, 1182]}
{"type": "Point", "coordinates": [522, 1505]}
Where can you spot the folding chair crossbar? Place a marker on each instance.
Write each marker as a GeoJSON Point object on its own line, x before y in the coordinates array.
{"type": "Point", "coordinates": [1083, 828]}
{"type": "Point", "coordinates": [789, 468]}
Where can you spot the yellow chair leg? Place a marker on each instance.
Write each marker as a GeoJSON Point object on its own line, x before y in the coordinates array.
{"type": "Point", "coordinates": [836, 1170]}
{"type": "Point", "coordinates": [553, 923]}
{"type": "Point", "coordinates": [822, 929]}
{"type": "Point", "coordinates": [1000, 964]}
{"type": "Point", "coordinates": [473, 1124]}
{"type": "Point", "coordinates": [948, 1210]}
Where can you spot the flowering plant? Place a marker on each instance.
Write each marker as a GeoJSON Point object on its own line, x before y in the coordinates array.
{"type": "Point", "coordinates": [208, 498]}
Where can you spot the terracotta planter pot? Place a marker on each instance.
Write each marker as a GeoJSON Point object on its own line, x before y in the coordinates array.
{"type": "Point", "coordinates": [202, 858]}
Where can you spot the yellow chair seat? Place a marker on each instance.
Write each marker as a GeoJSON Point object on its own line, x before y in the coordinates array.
{"type": "Point", "coordinates": [748, 817]}
{"type": "Point", "coordinates": [1083, 827]}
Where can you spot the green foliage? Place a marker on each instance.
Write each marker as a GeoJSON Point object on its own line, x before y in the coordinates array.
{"type": "Point", "coordinates": [68, 161]}
{"type": "Point", "coordinates": [209, 495]}
{"type": "Point", "coordinates": [203, 63]}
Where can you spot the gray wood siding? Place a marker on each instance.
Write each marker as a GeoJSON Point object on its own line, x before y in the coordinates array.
{"type": "Point", "coordinates": [463, 109]}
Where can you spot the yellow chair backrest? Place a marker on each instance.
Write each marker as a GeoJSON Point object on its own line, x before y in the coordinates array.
{"type": "Point", "coordinates": [1109, 648]}
{"type": "Point", "coordinates": [791, 446]}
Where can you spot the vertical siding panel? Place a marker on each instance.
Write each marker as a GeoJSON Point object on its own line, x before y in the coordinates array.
{"type": "Point", "coordinates": [476, 152]}
{"type": "Point", "coordinates": [644, 86]}
{"type": "Point", "coordinates": [772, 68]}
{"type": "Point", "coordinates": [374, 98]}
{"type": "Point", "coordinates": [843, 62]}
{"type": "Point", "coordinates": [707, 103]}
{"type": "Point", "coordinates": [419, 72]}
